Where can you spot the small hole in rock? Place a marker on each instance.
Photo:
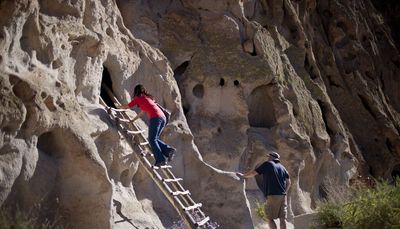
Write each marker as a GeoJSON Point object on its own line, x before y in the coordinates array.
{"type": "Point", "coordinates": [186, 109]}
{"type": "Point", "coordinates": [221, 82]}
{"type": "Point", "coordinates": [198, 91]}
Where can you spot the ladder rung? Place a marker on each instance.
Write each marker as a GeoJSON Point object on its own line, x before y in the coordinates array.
{"type": "Point", "coordinates": [143, 143]}
{"type": "Point", "coordinates": [172, 180]}
{"type": "Point", "coordinates": [199, 205]}
{"type": "Point", "coordinates": [146, 154]}
{"type": "Point", "coordinates": [118, 110]}
{"type": "Point", "coordinates": [202, 222]}
{"type": "Point", "coordinates": [135, 131]}
{"type": "Point", "coordinates": [162, 167]}
{"type": "Point", "coordinates": [177, 193]}
{"type": "Point", "coordinates": [124, 120]}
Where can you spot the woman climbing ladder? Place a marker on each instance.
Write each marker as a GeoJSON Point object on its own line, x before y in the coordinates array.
{"type": "Point", "coordinates": [147, 104]}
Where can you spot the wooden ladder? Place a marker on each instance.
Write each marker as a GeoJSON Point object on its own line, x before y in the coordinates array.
{"type": "Point", "coordinates": [167, 182]}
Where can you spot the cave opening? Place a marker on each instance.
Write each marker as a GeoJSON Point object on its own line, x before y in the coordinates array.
{"type": "Point", "coordinates": [49, 144]}
{"type": "Point", "coordinates": [106, 88]}
{"type": "Point", "coordinates": [221, 82]}
{"type": "Point", "coordinates": [198, 91]}
{"type": "Point", "coordinates": [324, 111]}
{"type": "Point", "coordinates": [180, 70]}
{"type": "Point", "coordinates": [261, 110]}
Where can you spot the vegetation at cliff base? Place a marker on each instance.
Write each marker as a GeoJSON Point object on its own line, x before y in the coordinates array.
{"type": "Point", "coordinates": [362, 208]}
{"type": "Point", "coordinates": [18, 219]}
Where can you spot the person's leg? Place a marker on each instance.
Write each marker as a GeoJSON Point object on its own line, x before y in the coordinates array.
{"type": "Point", "coordinates": [165, 148]}
{"type": "Point", "coordinates": [283, 212]}
{"type": "Point", "coordinates": [282, 223]}
{"type": "Point", "coordinates": [271, 224]}
{"type": "Point", "coordinates": [154, 131]}
{"type": "Point", "coordinates": [271, 211]}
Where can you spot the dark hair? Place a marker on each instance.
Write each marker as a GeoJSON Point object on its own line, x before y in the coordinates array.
{"type": "Point", "coordinates": [140, 91]}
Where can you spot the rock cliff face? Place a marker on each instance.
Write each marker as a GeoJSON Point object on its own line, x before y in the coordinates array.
{"type": "Point", "coordinates": [317, 81]}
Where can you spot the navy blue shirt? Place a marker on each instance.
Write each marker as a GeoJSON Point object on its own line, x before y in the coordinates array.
{"type": "Point", "coordinates": [274, 177]}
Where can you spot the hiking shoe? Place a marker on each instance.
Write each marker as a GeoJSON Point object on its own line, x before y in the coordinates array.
{"type": "Point", "coordinates": [159, 164]}
{"type": "Point", "coordinates": [171, 154]}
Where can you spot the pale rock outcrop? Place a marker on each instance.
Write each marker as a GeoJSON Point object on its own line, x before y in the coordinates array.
{"type": "Point", "coordinates": [60, 149]}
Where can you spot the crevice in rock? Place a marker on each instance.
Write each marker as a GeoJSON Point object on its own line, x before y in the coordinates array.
{"type": "Point", "coordinates": [389, 145]}
{"type": "Point", "coordinates": [261, 110]}
{"type": "Point", "coordinates": [323, 111]}
{"type": "Point", "coordinates": [382, 82]}
{"type": "Point", "coordinates": [106, 84]}
{"type": "Point", "coordinates": [368, 74]}
{"type": "Point", "coordinates": [366, 105]}
{"type": "Point", "coordinates": [186, 109]}
{"type": "Point", "coordinates": [49, 102]}
{"type": "Point", "coordinates": [180, 70]}
{"type": "Point", "coordinates": [331, 82]}
{"type": "Point", "coordinates": [309, 68]}
{"type": "Point", "coordinates": [179, 77]}
{"type": "Point", "coordinates": [254, 53]}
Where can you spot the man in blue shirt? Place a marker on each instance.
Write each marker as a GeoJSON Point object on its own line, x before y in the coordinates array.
{"type": "Point", "coordinates": [276, 183]}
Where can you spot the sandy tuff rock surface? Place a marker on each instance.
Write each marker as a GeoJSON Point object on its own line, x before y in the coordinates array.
{"type": "Point", "coordinates": [316, 81]}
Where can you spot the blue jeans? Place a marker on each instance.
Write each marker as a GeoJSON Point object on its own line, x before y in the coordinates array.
{"type": "Point", "coordinates": [160, 149]}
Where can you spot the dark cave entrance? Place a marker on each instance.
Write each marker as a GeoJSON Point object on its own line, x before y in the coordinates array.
{"type": "Point", "coordinates": [180, 70]}
{"type": "Point", "coordinates": [179, 77]}
{"type": "Point", "coordinates": [49, 144]}
{"type": "Point", "coordinates": [106, 85]}
{"type": "Point", "coordinates": [261, 109]}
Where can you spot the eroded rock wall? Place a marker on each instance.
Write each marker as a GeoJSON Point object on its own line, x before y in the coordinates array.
{"type": "Point", "coordinates": [315, 80]}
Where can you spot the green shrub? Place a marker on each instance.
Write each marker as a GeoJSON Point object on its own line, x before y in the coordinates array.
{"type": "Point", "coordinates": [329, 214]}
{"type": "Point", "coordinates": [374, 208]}
{"type": "Point", "coordinates": [260, 210]}
{"type": "Point", "coordinates": [378, 207]}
